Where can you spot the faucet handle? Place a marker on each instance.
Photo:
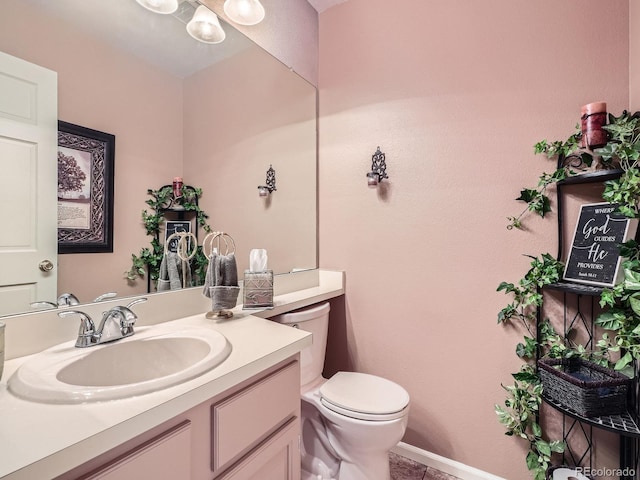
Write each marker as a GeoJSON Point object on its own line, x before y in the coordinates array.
{"type": "Point", "coordinates": [136, 301]}
{"type": "Point", "coordinates": [129, 318]}
{"type": "Point", "coordinates": [87, 327]}
{"type": "Point", "coordinates": [43, 303]}
{"type": "Point", "coordinates": [104, 296]}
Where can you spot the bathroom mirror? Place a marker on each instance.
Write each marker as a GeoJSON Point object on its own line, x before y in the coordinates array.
{"type": "Point", "coordinates": [218, 115]}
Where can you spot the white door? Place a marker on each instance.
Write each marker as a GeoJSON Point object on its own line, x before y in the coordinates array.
{"type": "Point", "coordinates": [28, 184]}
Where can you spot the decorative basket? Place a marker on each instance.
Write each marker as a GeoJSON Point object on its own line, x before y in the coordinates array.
{"type": "Point", "coordinates": [584, 387]}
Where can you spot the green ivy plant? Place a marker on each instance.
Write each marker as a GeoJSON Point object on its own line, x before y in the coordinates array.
{"type": "Point", "coordinates": [622, 151]}
{"type": "Point", "coordinates": [623, 311]}
{"type": "Point", "coordinates": [519, 414]}
{"type": "Point", "coordinates": [149, 258]}
{"type": "Point", "coordinates": [537, 199]}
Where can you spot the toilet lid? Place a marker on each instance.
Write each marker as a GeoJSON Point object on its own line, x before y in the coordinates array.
{"type": "Point", "coordinates": [360, 393]}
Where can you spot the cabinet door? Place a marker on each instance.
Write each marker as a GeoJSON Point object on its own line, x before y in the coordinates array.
{"type": "Point", "coordinates": [278, 458]}
{"type": "Point", "coordinates": [244, 420]}
{"type": "Point", "coordinates": [166, 457]}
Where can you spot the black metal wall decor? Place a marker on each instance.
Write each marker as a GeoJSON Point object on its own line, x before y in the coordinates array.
{"type": "Point", "coordinates": [378, 169]}
{"type": "Point", "coordinates": [265, 190]}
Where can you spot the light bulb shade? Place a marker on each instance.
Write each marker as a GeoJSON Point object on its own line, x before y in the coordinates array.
{"type": "Point", "coordinates": [205, 26]}
{"type": "Point", "coordinates": [244, 12]}
{"type": "Point", "coordinates": [165, 7]}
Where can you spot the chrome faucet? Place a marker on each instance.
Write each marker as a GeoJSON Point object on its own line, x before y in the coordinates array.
{"type": "Point", "coordinates": [68, 299]}
{"type": "Point", "coordinates": [87, 328]}
{"type": "Point", "coordinates": [64, 300]}
{"type": "Point", "coordinates": [116, 323]}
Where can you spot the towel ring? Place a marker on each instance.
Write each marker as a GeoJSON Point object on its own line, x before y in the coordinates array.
{"type": "Point", "coordinates": [187, 238]}
{"type": "Point", "coordinates": [219, 237]}
{"type": "Point", "coordinates": [182, 247]}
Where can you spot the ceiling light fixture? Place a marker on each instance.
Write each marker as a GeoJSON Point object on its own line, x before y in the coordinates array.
{"type": "Point", "coordinates": [244, 12]}
{"type": "Point", "coordinates": [205, 26]}
{"type": "Point", "coordinates": [160, 6]}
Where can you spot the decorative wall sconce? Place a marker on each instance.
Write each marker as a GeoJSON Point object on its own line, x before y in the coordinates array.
{"type": "Point", "coordinates": [378, 169]}
{"type": "Point", "coordinates": [244, 12]}
{"type": "Point", "coordinates": [265, 190]}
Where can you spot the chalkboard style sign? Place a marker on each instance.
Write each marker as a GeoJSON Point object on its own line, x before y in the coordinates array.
{"type": "Point", "coordinates": [595, 256]}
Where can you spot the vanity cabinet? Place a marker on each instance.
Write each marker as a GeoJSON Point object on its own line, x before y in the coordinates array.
{"type": "Point", "coordinates": [248, 432]}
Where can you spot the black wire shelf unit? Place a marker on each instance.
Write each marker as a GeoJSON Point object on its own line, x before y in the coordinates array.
{"type": "Point", "coordinates": [584, 300]}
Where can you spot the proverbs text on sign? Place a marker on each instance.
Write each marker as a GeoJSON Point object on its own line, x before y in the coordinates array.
{"type": "Point", "coordinates": [595, 255]}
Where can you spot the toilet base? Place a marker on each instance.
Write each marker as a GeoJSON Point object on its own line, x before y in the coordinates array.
{"type": "Point", "coordinates": [304, 475]}
{"type": "Point", "coordinates": [372, 469]}
{"type": "Point", "coordinates": [349, 471]}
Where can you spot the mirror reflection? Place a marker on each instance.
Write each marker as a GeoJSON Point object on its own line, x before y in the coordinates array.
{"type": "Point", "coordinates": [217, 115]}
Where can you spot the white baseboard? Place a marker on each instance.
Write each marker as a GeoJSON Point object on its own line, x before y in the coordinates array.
{"type": "Point", "coordinates": [443, 464]}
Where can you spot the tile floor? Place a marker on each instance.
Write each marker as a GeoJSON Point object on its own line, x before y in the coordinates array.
{"type": "Point", "coordinates": [406, 469]}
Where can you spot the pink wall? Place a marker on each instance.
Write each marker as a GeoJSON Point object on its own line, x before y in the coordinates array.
{"type": "Point", "coordinates": [105, 90]}
{"type": "Point", "coordinates": [237, 126]}
{"type": "Point", "coordinates": [456, 93]}
{"type": "Point", "coordinates": [634, 56]}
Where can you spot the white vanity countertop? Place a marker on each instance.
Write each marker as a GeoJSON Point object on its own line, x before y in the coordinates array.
{"type": "Point", "coordinates": [39, 440]}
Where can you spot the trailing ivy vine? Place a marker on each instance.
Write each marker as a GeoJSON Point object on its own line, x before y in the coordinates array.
{"type": "Point", "coordinates": [149, 259]}
{"type": "Point", "coordinates": [520, 412]}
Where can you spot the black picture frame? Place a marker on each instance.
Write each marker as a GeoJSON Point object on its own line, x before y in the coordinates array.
{"type": "Point", "coordinates": [594, 257]}
{"type": "Point", "coordinates": [171, 227]}
{"type": "Point", "coordinates": [85, 189]}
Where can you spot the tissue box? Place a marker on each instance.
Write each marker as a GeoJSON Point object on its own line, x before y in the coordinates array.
{"type": "Point", "coordinates": [258, 289]}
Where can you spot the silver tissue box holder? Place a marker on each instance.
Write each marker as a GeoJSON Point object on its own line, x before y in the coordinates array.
{"type": "Point", "coordinates": [258, 289]}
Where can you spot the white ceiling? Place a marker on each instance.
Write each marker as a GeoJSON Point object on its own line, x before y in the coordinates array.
{"type": "Point", "coordinates": [128, 26]}
{"type": "Point", "coordinates": [322, 5]}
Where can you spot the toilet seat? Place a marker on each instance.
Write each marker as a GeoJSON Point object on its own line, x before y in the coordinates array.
{"type": "Point", "coordinates": [364, 397]}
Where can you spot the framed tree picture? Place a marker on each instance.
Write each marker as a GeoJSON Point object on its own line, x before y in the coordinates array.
{"type": "Point", "coordinates": [85, 189]}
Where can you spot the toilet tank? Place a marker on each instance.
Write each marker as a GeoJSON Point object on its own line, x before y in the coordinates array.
{"type": "Point", "coordinates": [314, 319]}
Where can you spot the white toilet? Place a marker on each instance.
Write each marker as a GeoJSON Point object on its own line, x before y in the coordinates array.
{"type": "Point", "coordinates": [350, 421]}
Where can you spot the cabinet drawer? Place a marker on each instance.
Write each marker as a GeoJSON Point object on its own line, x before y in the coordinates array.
{"type": "Point", "coordinates": [242, 421]}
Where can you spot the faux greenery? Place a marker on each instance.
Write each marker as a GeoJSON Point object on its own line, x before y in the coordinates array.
{"type": "Point", "coordinates": [149, 258]}
{"type": "Point", "coordinates": [519, 414]}
{"type": "Point", "coordinates": [623, 311]}
{"type": "Point", "coordinates": [621, 318]}
{"type": "Point", "coordinates": [622, 151]}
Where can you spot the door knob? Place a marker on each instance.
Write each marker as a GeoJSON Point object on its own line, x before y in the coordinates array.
{"type": "Point", "coordinates": [46, 265]}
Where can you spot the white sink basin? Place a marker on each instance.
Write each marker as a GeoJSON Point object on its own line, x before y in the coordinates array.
{"type": "Point", "coordinates": [154, 358]}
